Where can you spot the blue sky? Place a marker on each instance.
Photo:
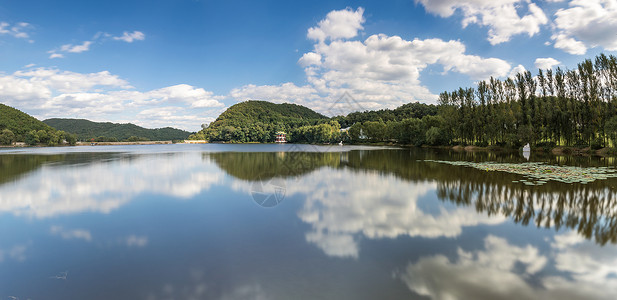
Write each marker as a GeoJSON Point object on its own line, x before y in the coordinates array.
{"type": "Point", "coordinates": [180, 63]}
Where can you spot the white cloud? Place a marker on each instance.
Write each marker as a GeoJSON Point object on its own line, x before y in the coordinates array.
{"type": "Point", "coordinates": [546, 63]}
{"type": "Point", "coordinates": [380, 72]}
{"type": "Point", "coordinates": [586, 24]}
{"type": "Point", "coordinates": [69, 234]}
{"type": "Point", "coordinates": [569, 44]}
{"type": "Point", "coordinates": [85, 46]}
{"type": "Point", "coordinates": [338, 24]}
{"type": "Point", "coordinates": [286, 92]}
{"type": "Point", "coordinates": [100, 96]}
{"type": "Point", "coordinates": [18, 30]}
{"type": "Point", "coordinates": [310, 58]}
{"type": "Point", "coordinates": [500, 16]}
{"type": "Point", "coordinates": [172, 116]}
{"type": "Point", "coordinates": [516, 70]}
{"type": "Point", "coordinates": [55, 55]}
{"type": "Point", "coordinates": [129, 37]}
{"type": "Point", "coordinates": [68, 82]}
{"type": "Point", "coordinates": [184, 93]}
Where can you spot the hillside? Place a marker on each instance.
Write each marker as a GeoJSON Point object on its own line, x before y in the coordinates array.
{"type": "Point", "coordinates": [257, 121]}
{"type": "Point", "coordinates": [86, 130]}
{"type": "Point", "coordinates": [19, 122]}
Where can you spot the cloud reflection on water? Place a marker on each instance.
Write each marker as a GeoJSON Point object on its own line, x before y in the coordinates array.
{"type": "Point", "coordinates": [505, 271]}
{"type": "Point", "coordinates": [344, 205]}
{"type": "Point", "coordinates": [103, 186]}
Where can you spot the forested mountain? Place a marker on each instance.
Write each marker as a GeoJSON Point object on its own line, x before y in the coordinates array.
{"type": "Point", "coordinates": [17, 126]}
{"type": "Point", "coordinates": [110, 132]}
{"type": "Point", "coordinates": [258, 121]}
{"type": "Point", "coordinates": [19, 122]}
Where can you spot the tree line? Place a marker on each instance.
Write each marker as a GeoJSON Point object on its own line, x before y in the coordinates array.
{"type": "Point", "coordinates": [575, 107]}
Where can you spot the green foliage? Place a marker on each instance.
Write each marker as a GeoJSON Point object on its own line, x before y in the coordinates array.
{"type": "Point", "coordinates": [258, 121]}
{"type": "Point", "coordinates": [7, 137]}
{"type": "Point", "coordinates": [563, 107]}
{"type": "Point", "coordinates": [108, 132]}
{"type": "Point", "coordinates": [436, 136]}
{"type": "Point", "coordinates": [410, 110]}
{"type": "Point", "coordinates": [32, 138]}
{"type": "Point", "coordinates": [611, 129]}
{"type": "Point", "coordinates": [20, 123]}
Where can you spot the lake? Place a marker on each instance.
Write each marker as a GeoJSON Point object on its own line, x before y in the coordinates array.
{"type": "Point", "coordinates": [270, 221]}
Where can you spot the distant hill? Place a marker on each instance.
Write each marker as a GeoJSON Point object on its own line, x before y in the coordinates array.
{"type": "Point", "coordinates": [86, 130]}
{"type": "Point", "coordinates": [19, 122]}
{"type": "Point", "coordinates": [257, 121]}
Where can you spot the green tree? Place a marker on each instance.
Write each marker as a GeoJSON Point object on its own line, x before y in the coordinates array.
{"type": "Point", "coordinates": [7, 137]}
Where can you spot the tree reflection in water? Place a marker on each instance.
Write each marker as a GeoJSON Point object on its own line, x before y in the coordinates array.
{"type": "Point", "coordinates": [589, 209]}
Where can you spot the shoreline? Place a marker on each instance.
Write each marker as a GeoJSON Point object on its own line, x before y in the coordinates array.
{"type": "Point", "coordinates": [559, 150]}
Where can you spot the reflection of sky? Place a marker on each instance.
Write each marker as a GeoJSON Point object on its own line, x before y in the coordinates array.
{"type": "Point", "coordinates": [110, 224]}
{"type": "Point", "coordinates": [342, 206]}
{"type": "Point", "coordinates": [505, 271]}
{"type": "Point", "coordinates": [103, 186]}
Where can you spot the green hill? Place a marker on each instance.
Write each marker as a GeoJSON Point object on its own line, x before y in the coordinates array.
{"type": "Point", "coordinates": [19, 122]}
{"type": "Point", "coordinates": [86, 130]}
{"type": "Point", "coordinates": [257, 121]}
{"type": "Point", "coordinates": [17, 126]}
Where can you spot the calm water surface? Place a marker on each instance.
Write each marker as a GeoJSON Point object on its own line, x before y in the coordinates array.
{"type": "Point", "coordinates": [297, 222]}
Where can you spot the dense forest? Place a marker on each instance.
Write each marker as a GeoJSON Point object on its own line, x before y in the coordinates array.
{"type": "Point", "coordinates": [258, 121]}
{"type": "Point", "coordinates": [17, 126]}
{"type": "Point", "coordinates": [111, 132]}
{"type": "Point", "coordinates": [558, 107]}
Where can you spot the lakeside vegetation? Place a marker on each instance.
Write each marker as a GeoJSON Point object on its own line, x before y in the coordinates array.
{"type": "Point", "coordinates": [558, 107]}
{"type": "Point", "coordinates": [112, 132]}
{"type": "Point", "coordinates": [17, 126]}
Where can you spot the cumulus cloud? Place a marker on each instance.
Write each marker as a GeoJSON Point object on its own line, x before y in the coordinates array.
{"type": "Point", "coordinates": [17, 30]}
{"type": "Point", "coordinates": [546, 63]}
{"type": "Point", "coordinates": [286, 92]}
{"type": "Point", "coordinates": [129, 37]}
{"type": "Point", "coordinates": [500, 16]}
{"type": "Point", "coordinates": [338, 24]}
{"type": "Point", "coordinates": [380, 72]}
{"type": "Point", "coordinates": [516, 70]}
{"type": "Point", "coordinates": [586, 24]}
{"type": "Point", "coordinates": [184, 93]}
{"type": "Point", "coordinates": [568, 44]}
{"type": "Point", "coordinates": [49, 92]}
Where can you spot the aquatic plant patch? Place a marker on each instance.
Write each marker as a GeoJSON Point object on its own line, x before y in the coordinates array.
{"type": "Point", "coordinates": [537, 173]}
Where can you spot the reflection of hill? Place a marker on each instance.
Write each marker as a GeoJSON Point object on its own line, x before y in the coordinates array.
{"type": "Point", "coordinates": [587, 208]}
{"type": "Point", "coordinates": [12, 166]}
{"type": "Point", "coordinates": [266, 165]}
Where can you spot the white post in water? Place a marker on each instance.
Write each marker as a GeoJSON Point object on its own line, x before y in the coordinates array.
{"type": "Point", "coordinates": [526, 151]}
